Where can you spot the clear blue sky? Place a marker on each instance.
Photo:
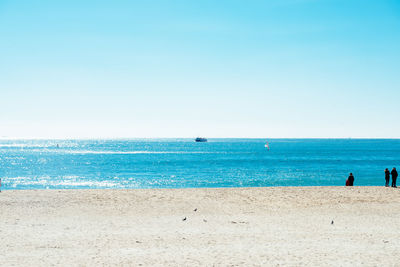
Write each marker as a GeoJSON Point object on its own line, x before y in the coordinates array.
{"type": "Point", "coordinates": [277, 68]}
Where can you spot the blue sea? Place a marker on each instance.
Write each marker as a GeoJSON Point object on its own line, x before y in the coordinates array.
{"type": "Point", "coordinates": [183, 163]}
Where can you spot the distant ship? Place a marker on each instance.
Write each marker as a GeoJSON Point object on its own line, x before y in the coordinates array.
{"type": "Point", "coordinates": [200, 139]}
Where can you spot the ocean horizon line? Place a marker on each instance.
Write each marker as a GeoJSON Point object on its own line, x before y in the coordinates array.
{"type": "Point", "coordinates": [6, 138]}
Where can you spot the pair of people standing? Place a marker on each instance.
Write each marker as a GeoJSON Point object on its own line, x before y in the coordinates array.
{"type": "Point", "coordinates": [394, 176]}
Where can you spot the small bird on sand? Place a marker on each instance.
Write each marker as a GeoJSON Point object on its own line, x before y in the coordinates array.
{"type": "Point", "coordinates": [332, 222]}
{"type": "Point", "coordinates": [184, 219]}
{"type": "Point", "coordinates": [195, 209]}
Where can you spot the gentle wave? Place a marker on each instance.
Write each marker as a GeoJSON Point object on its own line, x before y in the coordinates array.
{"type": "Point", "coordinates": [65, 181]}
{"type": "Point", "coordinates": [24, 146]}
{"type": "Point", "coordinates": [138, 152]}
{"type": "Point", "coordinates": [123, 152]}
{"type": "Point", "coordinates": [45, 146]}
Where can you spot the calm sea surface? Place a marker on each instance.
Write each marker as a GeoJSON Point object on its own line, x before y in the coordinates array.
{"type": "Point", "coordinates": [181, 163]}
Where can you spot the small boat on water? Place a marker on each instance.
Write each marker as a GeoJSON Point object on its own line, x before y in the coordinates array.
{"type": "Point", "coordinates": [267, 146]}
{"type": "Point", "coordinates": [200, 139]}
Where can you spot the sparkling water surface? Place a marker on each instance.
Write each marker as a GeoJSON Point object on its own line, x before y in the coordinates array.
{"type": "Point", "coordinates": [183, 163]}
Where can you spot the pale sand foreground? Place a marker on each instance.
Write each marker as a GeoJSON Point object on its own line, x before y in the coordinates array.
{"type": "Point", "coordinates": [242, 226]}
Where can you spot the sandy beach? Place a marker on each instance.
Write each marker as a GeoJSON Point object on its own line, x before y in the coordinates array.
{"type": "Point", "coordinates": [288, 226]}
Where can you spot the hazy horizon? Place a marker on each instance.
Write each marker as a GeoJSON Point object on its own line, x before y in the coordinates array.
{"type": "Point", "coordinates": [5, 138]}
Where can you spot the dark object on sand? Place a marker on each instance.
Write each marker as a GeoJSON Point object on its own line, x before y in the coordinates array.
{"type": "Point", "coordinates": [350, 180]}
{"type": "Point", "coordinates": [387, 177]}
{"type": "Point", "coordinates": [394, 177]}
{"type": "Point", "coordinates": [184, 219]}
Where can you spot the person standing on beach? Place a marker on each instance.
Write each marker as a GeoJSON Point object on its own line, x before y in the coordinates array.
{"type": "Point", "coordinates": [351, 179]}
{"type": "Point", "coordinates": [394, 177]}
{"type": "Point", "coordinates": [387, 177]}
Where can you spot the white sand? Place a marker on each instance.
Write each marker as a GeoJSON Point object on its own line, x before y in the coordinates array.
{"type": "Point", "coordinates": [244, 226]}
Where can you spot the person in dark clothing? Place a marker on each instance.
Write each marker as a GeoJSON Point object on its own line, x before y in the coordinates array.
{"type": "Point", "coordinates": [394, 177]}
{"type": "Point", "coordinates": [351, 179]}
{"type": "Point", "coordinates": [387, 177]}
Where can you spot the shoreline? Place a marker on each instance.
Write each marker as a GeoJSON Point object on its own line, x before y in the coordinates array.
{"type": "Point", "coordinates": [194, 188]}
{"type": "Point", "coordinates": [297, 225]}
